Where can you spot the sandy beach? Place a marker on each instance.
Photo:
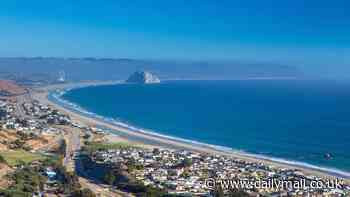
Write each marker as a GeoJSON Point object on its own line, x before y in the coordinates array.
{"type": "Point", "coordinates": [41, 95]}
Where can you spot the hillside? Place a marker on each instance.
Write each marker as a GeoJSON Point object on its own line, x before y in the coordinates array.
{"type": "Point", "coordinates": [9, 88]}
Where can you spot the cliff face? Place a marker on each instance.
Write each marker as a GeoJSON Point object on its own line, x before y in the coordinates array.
{"type": "Point", "coordinates": [143, 78]}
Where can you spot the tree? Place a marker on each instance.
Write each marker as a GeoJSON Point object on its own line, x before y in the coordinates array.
{"type": "Point", "coordinates": [186, 162]}
{"type": "Point", "coordinates": [83, 193]}
{"type": "Point", "coordinates": [2, 160]}
{"type": "Point", "coordinates": [218, 192]}
{"type": "Point", "coordinates": [238, 193]}
{"type": "Point", "coordinates": [18, 143]}
{"type": "Point", "coordinates": [14, 193]}
{"type": "Point", "coordinates": [87, 193]}
{"type": "Point", "coordinates": [86, 136]}
{"type": "Point", "coordinates": [62, 148]}
{"type": "Point", "coordinates": [109, 178]}
{"type": "Point", "coordinates": [152, 192]}
{"type": "Point", "coordinates": [156, 151]}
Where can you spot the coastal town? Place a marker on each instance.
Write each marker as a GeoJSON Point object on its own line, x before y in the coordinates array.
{"type": "Point", "coordinates": [185, 173]}
{"type": "Point", "coordinates": [189, 98]}
{"type": "Point", "coordinates": [45, 151]}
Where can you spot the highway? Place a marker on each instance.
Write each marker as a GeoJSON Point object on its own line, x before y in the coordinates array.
{"type": "Point", "coordinates": [73, 146]}
{"type": "Point", "coordinates": [72, 138]}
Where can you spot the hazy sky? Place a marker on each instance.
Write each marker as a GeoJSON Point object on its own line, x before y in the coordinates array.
{"type": "Point", "coordinates": [310, 32]}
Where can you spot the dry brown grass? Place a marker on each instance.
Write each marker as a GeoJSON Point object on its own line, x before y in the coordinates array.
{"type": "Point", "coordinates": [40, 142]}
{"type": "Point", "coordinates": [11, 88]}
{"type": "Point", "coordinates": [4, 170]}
{"type": "Point", "coordinates": [9, 136]}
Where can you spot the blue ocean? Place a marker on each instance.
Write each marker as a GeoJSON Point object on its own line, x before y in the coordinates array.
{"type": "Point", "coordinates": [295, 120]}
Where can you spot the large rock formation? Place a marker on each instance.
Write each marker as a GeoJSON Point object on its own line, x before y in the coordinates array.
{"type": "Point", "coordinates": [143, 78]}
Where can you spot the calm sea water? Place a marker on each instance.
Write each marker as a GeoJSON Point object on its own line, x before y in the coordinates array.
{"type": "Point", "coordinates": [289, 119]}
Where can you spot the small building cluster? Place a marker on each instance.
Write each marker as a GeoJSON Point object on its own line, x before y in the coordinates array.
{"type": "Point", "coordinates": [31, 117]}
{"type": "Point", "coordinates": [45, 113]}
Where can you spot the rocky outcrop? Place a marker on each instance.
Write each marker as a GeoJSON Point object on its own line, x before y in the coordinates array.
{"type": "Point", "coordinates": [143, 78]}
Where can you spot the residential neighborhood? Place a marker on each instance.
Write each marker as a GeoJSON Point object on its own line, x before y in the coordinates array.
{"type": "Point", "coordinates": [184, 172]}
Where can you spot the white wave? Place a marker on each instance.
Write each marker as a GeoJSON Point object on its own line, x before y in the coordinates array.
{"type": "Point", "coordinates": [57, 95]}
{"type": "Point", "coordinates": [302, 164]}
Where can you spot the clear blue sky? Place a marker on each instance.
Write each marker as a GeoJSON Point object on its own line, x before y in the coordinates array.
{"type": "Point", "coordinates": [308, 32]}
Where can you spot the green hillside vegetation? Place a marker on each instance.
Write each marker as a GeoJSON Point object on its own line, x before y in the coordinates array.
{"type": "Point", "coordinates": [96, 146]}
{"type": "Point", "coordinates": [16, 157]}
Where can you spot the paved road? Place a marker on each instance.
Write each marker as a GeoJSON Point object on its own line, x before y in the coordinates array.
{"type": "Point", "coordinates": [73, 146]}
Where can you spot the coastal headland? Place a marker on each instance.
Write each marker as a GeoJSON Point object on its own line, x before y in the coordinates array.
{"type": "Point", "coordinates": [153, 140]}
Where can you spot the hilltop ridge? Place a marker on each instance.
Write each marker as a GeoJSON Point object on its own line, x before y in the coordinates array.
{"type": "Point", "coordinates": [46, 69]}
{"type": "Point", "coordinates": [9, 88]}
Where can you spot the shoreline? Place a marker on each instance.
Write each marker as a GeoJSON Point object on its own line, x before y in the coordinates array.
{"type": "Point", "coordinates": [136, 135]}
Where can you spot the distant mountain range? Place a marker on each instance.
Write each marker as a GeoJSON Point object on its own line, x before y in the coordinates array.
{"type": "Point", "coordinates": [47, 69]}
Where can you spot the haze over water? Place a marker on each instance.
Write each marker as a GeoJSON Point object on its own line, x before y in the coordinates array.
{"type": "Point", "coordinates": [297, 120]}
